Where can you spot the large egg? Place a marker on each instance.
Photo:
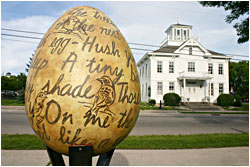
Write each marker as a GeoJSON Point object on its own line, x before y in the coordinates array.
{"type": "Point", "coordinates": [83, 85]}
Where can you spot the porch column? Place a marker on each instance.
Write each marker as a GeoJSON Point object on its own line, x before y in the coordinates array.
{"type": "Point", "coordinates": [184, 85]}
{"type": "Point", "coordinates": [209, 88]}
{"type": "Point", "coordinates": [205, 88]}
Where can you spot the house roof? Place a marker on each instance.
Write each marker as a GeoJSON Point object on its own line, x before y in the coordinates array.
{"type": "Point", "coordinates": [167, 49]}
{"type": "Point", "coordinates": [171, 49]}
{"type": "Point", "coordinates": [183, 25]}
{"type": "Point", "coordinates": [216, 53]}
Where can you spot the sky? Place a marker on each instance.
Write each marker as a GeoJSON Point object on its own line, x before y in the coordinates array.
{"type": "Point", "coordinates": [142, 22]}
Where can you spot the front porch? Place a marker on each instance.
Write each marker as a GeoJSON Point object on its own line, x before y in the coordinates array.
{"type": "Point", "coordinates": [194, 86]}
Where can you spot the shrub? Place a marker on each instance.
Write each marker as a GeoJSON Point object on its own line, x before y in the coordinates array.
{"type": "Point", "coordinates": [171, 99]}
{"type": "Point", "coordinates": [237, 101]}
{"type": "Point", "coordinates": [225, 100]}
{"type": "Point", "coordinates": [21, 96]}
{"type": "Point", "coordinates": [152, 102]}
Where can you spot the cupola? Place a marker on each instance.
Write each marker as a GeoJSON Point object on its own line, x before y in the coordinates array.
{"type": "Point", "coordinates": [177, 34]}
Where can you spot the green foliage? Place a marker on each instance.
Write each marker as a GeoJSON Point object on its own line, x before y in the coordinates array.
{"type": "Point", "coordinates": [225, 100]}
{"type": "Point", "coordinates": [21, 96]}
{"type": "Point", "coordinates": [237, 101]}
{"type": "Point", "coordinates": [171, 99]}
{"type": "Point", "coordinates": [239, 78]}
{"type": "Point", "coordinates": [238, 9]}
{"type": "Point", "coordinates": [9, 83]}
{"type": "Point", "coordinates": [32, 142]}
{"type": "Point", "coordinates": [152, 102]}
{"type": "Point", "coordinates": [13, 83]}
{"type": "Point", "coordinates": [29, 64]}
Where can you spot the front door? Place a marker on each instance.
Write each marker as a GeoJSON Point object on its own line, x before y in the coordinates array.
{"type": "Point", "coordinates": [194, 90]}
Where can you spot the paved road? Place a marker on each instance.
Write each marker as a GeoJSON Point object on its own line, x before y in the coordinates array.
{"type": "Point", "coordinates": [15, 121]}
{"type": "Point", "coordinates": [177, 123]}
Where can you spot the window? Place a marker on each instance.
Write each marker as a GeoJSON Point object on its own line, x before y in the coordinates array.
{"type": "Point", "coordinates": [171, 86]}
{"type": "Point", "coordinates": [190, 51]}
{"type": "Point", "coordinates": [171, 67]}
{"type": "Point", "coordinates": [220, 69]}
{"type": "Point", "coordinates": [211, 89]}
{"type": "Point", "coordinates": [159, 66]}
{"type": "Point", "coordinates": [185, 34]}
{"type": "Point", "coordinates": [159, 88]}
{"type": "Point", "coordinates": [210, 68]}
{"type": "Point", "coordinates": [146, 70]}
{"type": "Point", "coordinates": [178, 34]}
{"type": "Point", "coordinates": [146, 89]}
{"type": "Point", "coordinates": [140, 72]}
{"type": "Point", "coordinates": [174, 34]}
{"type": "Point", "coordinates": [221, 88]}
{"type": "Point", "coordinates": [191, 67]}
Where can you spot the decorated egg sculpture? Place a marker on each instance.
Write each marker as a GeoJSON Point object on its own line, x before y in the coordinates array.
{"type": "Point", "coordinates": [83, 86]}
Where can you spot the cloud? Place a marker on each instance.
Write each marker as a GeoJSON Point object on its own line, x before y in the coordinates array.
{"type": "Point", "coordinates": [146, 22]}
{"type": "Point", "coordinates": [15, 54]}
{"type": "Point", "coordinates": [139, 22]}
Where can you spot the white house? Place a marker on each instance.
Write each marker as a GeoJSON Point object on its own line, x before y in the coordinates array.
{"type": "Point", "coordinates": [183, 66]}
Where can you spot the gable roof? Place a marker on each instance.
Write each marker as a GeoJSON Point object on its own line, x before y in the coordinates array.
{"type": "Point", "coordinates": [172, 49]}
{"type": "Point", "coordinates": [166, 49]}
{"type": "Point", "coordinates": [216, 53]}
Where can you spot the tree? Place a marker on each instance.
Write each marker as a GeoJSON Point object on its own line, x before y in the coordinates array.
{"type": "Point", "coordinates": [239, 78]}
{"type": "Point", "coordinates": [21, 81]}
{"type": "Point", "coordinates": [9, 83]}
{"type": "Point", "coordinates": [238, 9]}
{"type": "Point", "coordinates": [13, 83]}
{"type": "Point", "coordinates": [29, 64]}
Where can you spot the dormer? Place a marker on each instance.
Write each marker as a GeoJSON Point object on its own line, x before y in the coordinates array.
{"type": "Point", "coordinates": [177, 34]}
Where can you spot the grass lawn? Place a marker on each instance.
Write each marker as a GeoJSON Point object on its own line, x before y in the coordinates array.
{"type": "Point", "coordinates": [146, 106]}
{"type": "Point", "coordinates": [214, 112]}
{"type": "Point", "coordinates": [11, 102]}
{"type": "Point", "coordinates": [244, 107]}
{"type": "Point", "coordinates": [31, 142]}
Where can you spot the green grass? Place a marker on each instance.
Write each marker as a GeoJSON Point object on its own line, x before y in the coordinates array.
{"type": "Point", "coordinates": [31, 142]}
{"type": "Point", "coordinates": [244, 107]}
{"type": "Point", "coordinates": [11, 102]}
{"type": "Point", "coordinates": [21, 142]}
{"type": "Point", "coordinates": [146, 106]}
{"type": "Point", "coordinates": [214, 112]}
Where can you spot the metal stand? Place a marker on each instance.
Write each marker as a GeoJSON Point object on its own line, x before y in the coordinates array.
{"type": "Point", "coordinates": [56, 158]}
{"type": "Point", "coordinates": [79, 156]}
{"type": "Point", "coordinates": [105, 158]}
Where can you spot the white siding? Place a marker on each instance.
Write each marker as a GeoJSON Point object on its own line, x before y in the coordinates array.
{"type": "Point", "coordinates": [197, 83]}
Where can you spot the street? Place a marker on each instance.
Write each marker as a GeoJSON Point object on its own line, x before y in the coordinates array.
{"type": "Point", "coordinates": [149, 123]}
{"type": "Point", "coordinates": [14, 121]}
